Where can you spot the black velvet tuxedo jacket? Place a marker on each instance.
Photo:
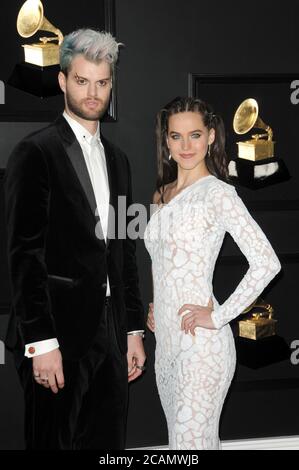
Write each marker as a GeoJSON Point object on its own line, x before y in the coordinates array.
{"type": "Point", "coordinates": [58, 263]}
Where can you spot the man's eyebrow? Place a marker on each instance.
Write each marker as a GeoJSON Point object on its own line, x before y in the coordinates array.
{"type": "Point", "coordinates": [79, 76]}
{"type": "Point", "coordinates": [99, 80]}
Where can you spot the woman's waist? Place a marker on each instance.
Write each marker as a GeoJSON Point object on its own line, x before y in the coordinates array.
{"type": "Point", "coordinates": [175, 294]}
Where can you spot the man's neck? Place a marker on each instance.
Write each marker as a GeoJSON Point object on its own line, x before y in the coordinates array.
{"type": "Point", "coordinates": [90, 126]}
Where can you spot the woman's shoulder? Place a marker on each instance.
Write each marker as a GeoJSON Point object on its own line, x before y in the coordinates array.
{"type": "Point", "coordinates": [221, 196]}
{"type": "Point", "coordinates": [216, 185]}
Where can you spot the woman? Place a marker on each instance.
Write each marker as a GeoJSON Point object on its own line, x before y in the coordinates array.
{"type": "Point", "coordinates": [196, 205]}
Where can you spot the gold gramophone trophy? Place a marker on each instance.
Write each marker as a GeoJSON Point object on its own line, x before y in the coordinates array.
{"type": "Point", "coordinates": [245, 119]}
{"type": "Point", "coordinates": [30, 20]}
{"type": "Point", "coordinates": [38, 74]}
{"type": "Point", "coordinates": [256, 165]}
{"type": "Point", "coordinates": [257, 344]}
{"type": "Point", "coordinates": [260, 323]}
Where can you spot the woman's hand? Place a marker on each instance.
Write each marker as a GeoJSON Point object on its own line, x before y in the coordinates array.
{"type": "Point", "coordinates": [150, 318]}
{"type": "Point", "coordinates": [197, 316]}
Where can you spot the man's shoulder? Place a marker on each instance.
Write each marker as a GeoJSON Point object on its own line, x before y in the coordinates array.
{"type": "Point", "coordinates": [38, 139]}
{"type": "Point", "coordinates": [32, 146]}
{"type": "Point", "coordinates": [39, 136]}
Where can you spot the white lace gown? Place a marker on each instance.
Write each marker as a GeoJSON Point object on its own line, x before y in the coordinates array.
{"type": "Point", "coordinates": [183, 238]}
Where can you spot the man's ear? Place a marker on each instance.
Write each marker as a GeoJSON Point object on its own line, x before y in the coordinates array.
{"type": "Point", "coordinates": [62, 81]}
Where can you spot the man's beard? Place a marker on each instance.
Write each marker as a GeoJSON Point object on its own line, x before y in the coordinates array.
{"type": "Point", "coordinates": [76, 109]}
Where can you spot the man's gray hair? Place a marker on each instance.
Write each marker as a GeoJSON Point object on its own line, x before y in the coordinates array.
{"type": "Point", "coordinates": [95, 46]}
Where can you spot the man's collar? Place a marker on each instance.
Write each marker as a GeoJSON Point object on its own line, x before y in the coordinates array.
{"type": "Point", "coordinates": [80, 131]}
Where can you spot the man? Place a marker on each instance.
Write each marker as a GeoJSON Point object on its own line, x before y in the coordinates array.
{"type": "Point", "coordinates": [76, 303]}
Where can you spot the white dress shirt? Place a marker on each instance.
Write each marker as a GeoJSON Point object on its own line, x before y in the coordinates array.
{"type": "Point", "coordinates": [95, 159]}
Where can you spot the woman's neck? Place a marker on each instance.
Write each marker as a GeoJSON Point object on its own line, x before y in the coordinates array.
{"type": "Point", "coordinates": [185, 177]}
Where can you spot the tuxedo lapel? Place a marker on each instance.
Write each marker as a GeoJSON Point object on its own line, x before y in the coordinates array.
{"type": "Point", "coordinates": [111, 171]}
{"type": "Point", "coordinates": [75, 154]}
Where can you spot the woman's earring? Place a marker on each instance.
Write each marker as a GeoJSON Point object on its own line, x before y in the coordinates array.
{"type": "Point", "coordinates": [209, 150]}
{"type": "Point", "coordinates": [169, 158]}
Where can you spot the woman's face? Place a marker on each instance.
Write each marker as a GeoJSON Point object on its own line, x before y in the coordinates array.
{"type": "Point", "coordinates": [188, 139]}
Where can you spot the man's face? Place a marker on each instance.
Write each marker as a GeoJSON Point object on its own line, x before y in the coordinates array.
{"type": "Point", "coordinates": [87, 88]}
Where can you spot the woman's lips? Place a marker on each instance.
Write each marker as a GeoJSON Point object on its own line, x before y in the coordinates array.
{"type": "Point", "coordinates": [186, 156]}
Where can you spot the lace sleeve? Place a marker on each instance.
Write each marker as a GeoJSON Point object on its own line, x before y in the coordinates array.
{"type": "Point", "coordinates": [228, 211]}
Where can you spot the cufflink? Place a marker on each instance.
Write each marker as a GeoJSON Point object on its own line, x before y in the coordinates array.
{"type": "Point", "coordinates": [31, 350]}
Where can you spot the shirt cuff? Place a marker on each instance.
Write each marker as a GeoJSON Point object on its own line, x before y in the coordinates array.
{"type": "Point", "coordinates": [135, 331]}
{"type": "Point", "coordinates": [41, 347]}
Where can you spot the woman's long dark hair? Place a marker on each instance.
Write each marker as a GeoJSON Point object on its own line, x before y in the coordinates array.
{"type": "Point", "coordinates": [217, 162]}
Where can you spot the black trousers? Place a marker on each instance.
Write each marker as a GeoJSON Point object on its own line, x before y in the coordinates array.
{"type": "Point", "coordinates": [90, 412]}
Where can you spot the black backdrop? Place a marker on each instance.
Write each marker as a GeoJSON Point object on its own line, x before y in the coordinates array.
{"type": "Point", "coordinates": [164, 43]}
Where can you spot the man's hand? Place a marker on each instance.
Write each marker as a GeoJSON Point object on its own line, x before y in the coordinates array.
{"type": "Point", "coordinates": [48, 371]}
{"type": "Point", "coordinates": [198, 316]}
{"type": "Point", "coordinates": [136, 357]}
{"type": "Point", "coordinates": [150, 318]}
